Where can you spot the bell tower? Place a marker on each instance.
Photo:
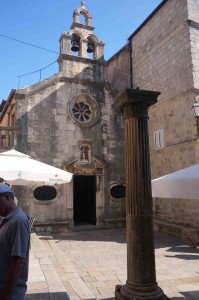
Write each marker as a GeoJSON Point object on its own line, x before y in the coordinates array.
{"type": "Point", "coordinates": [81, 39]}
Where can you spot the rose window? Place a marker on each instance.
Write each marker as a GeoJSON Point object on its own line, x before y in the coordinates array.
{"type": "Point", "coordinates": [81, 112]}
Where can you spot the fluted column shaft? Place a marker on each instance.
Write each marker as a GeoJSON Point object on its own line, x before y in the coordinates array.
{"type": "Point", "coordinates": [141, 277]}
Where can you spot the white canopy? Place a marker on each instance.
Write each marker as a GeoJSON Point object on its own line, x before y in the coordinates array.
{"type": "Point", "coordinates": [19, 169]}
{"type": "Point", "coordinates": [182, 184]}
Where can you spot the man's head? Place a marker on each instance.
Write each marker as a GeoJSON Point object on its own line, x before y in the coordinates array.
{"type": "Point", "coordinates": [6, 199]}
{"type": "Point", "coordinates": [2, 180]}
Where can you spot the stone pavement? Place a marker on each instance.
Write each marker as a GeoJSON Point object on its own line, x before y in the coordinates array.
{"type": "Point", "coordinates": [88, 264]}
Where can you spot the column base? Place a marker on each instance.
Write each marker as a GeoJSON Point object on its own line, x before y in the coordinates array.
{"type": "Point", "coordinates": [124, 293]}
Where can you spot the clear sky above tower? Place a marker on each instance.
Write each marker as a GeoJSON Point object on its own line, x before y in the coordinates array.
{"type": "Point", "coordinates": [40, 23]}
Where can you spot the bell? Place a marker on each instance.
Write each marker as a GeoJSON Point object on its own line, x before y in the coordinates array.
{"type": "Point", "coordinates": [75, 45]}
{"type": "Point", "coordinates": [90, 47]}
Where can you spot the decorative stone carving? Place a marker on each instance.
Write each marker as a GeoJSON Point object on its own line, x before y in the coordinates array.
{"type": "Point", "coordinates": [83, 4]}
{"type": "Point", "coordinates": [84, 154]}
{"type": "Point", "coordinates": [94, 167]}
{"type": "Point", "coordinates": [82, 10]}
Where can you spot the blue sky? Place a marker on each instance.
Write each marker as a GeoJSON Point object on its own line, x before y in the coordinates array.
{"type": "Point", "coordinates": [41, 22]}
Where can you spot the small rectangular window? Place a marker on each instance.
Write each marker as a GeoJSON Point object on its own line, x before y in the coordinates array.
{"type": "Point", "coordinates": [159, 139]}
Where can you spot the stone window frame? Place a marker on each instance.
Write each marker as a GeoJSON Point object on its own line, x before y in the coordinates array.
{"type": "Point", "coordinates": [116, 199]}
{"type": "Point", "coordinates": [45, 202]}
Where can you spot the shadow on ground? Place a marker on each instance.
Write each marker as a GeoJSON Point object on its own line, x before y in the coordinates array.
{"type": "Point", "coordinates": [106, 235]}
{"type": "Point", "coordinates": [184, 249]}
{"type": "Point", "coordinates": [48, 296]}
{"type": "Point", "coordinates": [176, 247]}
{"type": "Point", "coordinates": [185, 257]}
{"type": "Point", "coordinates": [192, 295]}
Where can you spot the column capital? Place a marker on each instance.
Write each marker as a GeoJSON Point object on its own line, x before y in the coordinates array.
{"type": "Point", "coordinates": [135, 102]}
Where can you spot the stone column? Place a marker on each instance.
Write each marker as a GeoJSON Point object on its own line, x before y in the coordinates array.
{"type": "Point", "coordinates": [83, 51]}
{"type": "Point", "coordinates": [141, 276]}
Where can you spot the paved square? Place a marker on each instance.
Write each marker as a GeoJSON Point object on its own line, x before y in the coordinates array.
{"type": "Point", "coordinates": [88, 265]}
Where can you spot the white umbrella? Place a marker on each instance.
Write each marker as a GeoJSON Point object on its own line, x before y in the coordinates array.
{"type": "Point", "coordinates": [182, 184]}
{"type": "Point", "coordinates": [17, 168]}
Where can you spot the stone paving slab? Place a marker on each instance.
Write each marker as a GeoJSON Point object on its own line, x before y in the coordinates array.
{"type": "Point", "coordinates": [89, 264]}
{"type": "Point", "coordinates": [81, 289]}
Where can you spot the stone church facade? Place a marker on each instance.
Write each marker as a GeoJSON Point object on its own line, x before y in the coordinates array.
{"type": "Point", "coordinates": [70, 120]}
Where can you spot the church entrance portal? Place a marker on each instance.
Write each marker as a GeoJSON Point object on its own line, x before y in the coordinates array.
{"type": "Point", "coordinates": [84, 200]}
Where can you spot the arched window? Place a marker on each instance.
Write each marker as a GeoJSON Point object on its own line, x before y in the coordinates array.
{"type": "Point", "coordinates": [75, 43]}
{"type": "Point", "coordinates": [82, 18]}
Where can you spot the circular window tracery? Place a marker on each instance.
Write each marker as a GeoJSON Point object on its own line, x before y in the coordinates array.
{"type": "Point", "coordinates": [84, 110]}
{"type": "Point", "coordinates": [81, 112]}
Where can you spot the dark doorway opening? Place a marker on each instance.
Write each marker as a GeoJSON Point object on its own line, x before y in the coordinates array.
{"type": "Point", "coordinates": [84, 200]}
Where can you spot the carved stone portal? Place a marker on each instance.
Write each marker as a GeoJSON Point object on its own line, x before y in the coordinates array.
{"type": "Point", "coordinates": [94, 166]}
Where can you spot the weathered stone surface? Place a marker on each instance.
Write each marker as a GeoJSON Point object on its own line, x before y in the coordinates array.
{"type": "Point", "coordinates": [52, 133]}
{"type": "Point", "coordinates": [165, 58]}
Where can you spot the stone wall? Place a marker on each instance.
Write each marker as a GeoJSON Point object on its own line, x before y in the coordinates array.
{"type": "Point", "coordinates": [161, 52]}
{"type": "Point", "coordinates": [193, 15]}
{"type": "Point", "coordinates": [165, 59]}
{"type": "Point", "coordinates": [178, 211]}
{"type": "Point", "coordinates": [194, 37]}
{"type": "Point", "coordinates": [81, 69]}
{"type": "Point", "coordinates": [174, 117]}
{"type": "Point", "coordinates": [162, 61]}
{"type": "Point", "coordinates": [118, 70]}
{"type": "Point", "coordinates": [178, 217]}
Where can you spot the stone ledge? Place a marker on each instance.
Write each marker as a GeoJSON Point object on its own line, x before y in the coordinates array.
{"type": "Point", "coordinates": [187, 234]}
{"type": "Point", "coordinates": [115, 223]}
{"type": "Point", "coordinates": [52, 227]}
